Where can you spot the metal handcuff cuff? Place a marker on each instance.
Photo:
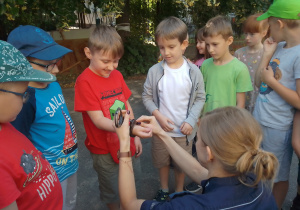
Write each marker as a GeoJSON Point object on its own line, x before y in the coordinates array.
{"type": "Point", "coordinates": [119, 119]}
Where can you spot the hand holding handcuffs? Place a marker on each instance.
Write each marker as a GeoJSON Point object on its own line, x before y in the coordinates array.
{"type": "Point", "coordinates": [119, 119]}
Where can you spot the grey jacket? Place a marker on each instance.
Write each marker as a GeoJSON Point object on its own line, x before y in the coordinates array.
{"type": "Point", "coordinates": [197, 98]}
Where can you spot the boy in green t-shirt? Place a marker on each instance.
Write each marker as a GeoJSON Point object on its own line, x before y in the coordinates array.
{"type": "Point", "coordinates": [226, 78]}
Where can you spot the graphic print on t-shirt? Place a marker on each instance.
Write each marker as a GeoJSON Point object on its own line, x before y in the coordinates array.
{"type": "Point", "coordinates": [110, 100]}
{"type": "Point", "coordinates": [264, 88]}
{"type": "Point", "coordinates": [32, 165]}
{"type": "Point", "coordinates": [70, 140]}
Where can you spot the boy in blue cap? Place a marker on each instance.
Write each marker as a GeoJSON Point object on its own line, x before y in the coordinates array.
{"type": "Point", "coordinates": [278, 77]}
{"type": "Point", "coordinates": [45, 119]}
{"type": "Point", "coordinates": [27, 180]}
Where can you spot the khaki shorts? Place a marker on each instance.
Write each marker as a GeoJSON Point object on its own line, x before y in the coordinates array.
{"type": "Point", "coordinates": [108, 173]}
{"type": "Point", "coordinates": [161, 156]}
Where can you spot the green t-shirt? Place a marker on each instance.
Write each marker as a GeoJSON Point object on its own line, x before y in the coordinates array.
{"type": "Point", "coordinates": [223, 82]}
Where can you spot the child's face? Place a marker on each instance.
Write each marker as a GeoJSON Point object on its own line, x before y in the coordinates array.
{"type": "Point", "coordinates": [201, 47]}
{"type": "Point", "coordinates": [172, 50]}
{"type": "Point", "coordinates": [217, 46]}
{"type": "Point", "coordinates": [46, 66]}
{"type": "Point", "coordinates": [253, 39]}
{"type": "Point", "coordinates": [11, 104]}
{"type": "Point", "coordinates": [102, 63]}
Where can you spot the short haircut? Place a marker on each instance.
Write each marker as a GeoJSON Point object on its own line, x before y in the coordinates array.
{"type": "Point", "coordinates": [218, 25]}
{"type": "Point", "coordinates": [171, 28]}
{"type": "Point", "coordinates": [291, 23]}
{"type": "Point", "coordinates": [106, 38]}
{"type": "Point", "coordinates": [251, 25]}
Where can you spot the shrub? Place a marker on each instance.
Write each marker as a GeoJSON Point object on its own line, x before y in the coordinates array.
{"type": "Point", "coordinates": [138, 57]}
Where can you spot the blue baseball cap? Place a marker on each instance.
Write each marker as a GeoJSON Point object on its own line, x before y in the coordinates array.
{"type": "Point", "coordinates": [37, 43]}
{"type": "Point", "coordinates": [14, 67]}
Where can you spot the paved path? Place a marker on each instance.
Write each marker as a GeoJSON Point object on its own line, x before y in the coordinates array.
{"type": "Point", "coordinates": [147, 181]}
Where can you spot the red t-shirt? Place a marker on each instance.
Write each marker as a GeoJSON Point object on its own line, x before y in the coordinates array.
{"type": "Point", "coordinates": [25, 175]}
{"type": "Point", "coordinates": [94, 93]}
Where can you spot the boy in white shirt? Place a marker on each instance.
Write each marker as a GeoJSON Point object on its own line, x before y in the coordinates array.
{"type": "Point", "coordinates": [174, 94]}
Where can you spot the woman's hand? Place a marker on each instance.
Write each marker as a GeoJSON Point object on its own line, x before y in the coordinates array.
{"type": "Point", "coordinates": [151, 123]}
{"type": "Point", "coordinates": [123, 130]}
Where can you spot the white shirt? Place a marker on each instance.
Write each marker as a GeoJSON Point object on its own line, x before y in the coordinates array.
{"type": "Point", "coordinates": [174, 95]}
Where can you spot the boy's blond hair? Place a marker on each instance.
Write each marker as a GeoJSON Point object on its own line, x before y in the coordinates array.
{"type": "Point", "coordinates": [218, 25]}
{"type": "Point", "coordinates": [106, 38]}
{"type": "Point", "coordinates": [291, 24]}
{"type": "Point", "coordinates": [234, 137]}
{"type": "Point", "coordinates": [171, 28]}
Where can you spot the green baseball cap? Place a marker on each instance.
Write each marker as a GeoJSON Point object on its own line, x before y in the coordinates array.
{"type": "Point", "coordinates": [286, 9]}
{"type": "Point", "coordinates": [14, 67]}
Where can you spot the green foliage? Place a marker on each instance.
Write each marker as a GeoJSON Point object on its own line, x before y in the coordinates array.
{"type": "Point", "coordinates": [138, 57]}
{"type": "Point", "coordinates": [202, 11]}
{"type": "Point", "coordinates": [47, 14]}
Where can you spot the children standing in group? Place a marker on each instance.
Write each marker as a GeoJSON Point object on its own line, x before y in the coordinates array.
{"type": "Point", "coordinates": [226, 78]}
{"type": "Point", "coordinates": [279, 72]}
{"type": "Point", "coordinates": [99, 90]}
{"type": "Point", "coordinates": [45, 119]}
{"type": "Point", "coordinates": [174, 94]}
{"type": "Point", "coordinates": [27, 180]}
{"type": "Point", "coordinates": [250, 55]}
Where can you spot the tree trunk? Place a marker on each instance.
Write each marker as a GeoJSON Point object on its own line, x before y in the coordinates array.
{"type": "Point", "coordinates": [124, 21]}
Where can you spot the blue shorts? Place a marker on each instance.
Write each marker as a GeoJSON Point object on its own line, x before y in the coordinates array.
{"type": "Point", "coordinates": [279, 142]}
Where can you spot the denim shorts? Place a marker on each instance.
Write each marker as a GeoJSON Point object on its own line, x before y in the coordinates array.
{"type": "Point", "coordinates": [279, 142]}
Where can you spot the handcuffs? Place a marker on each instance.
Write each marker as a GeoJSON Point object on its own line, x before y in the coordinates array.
{"type": "Point", "coordinates": [119, 119]}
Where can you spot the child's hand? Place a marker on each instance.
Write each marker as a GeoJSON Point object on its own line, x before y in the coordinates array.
{"type": "Point", "coordinates": [186, 128]}
{"type": "Point", "coordinates": [165, 123]}
{"type": "Point", "coordinates": [138, 146]}
{"type": "Point", "coordinates": [267, 75]}
{"type": "Point", "coordinates": [269, 46]}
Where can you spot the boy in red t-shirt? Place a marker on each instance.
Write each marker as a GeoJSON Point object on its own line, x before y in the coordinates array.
{"type": "Point", "coordinates": [27, 180]}
{"type": "Point", "coordinates": [99, 90]}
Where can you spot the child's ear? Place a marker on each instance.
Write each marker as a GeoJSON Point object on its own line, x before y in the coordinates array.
{"type": "Point", "coordinates": [88, 52]}
{"type": "Point", "coordinates": [185, 44]}
{"type": "Point", "coordinates": [229, 40]}
{"type": "Point", "coordinates": [281, 23]}
{"type": "Point", "coordinates": [209, 156]}
{"type": "Point", "coordinates": [264, 33]}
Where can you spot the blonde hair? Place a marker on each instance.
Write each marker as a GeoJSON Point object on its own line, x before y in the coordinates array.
{"type": "Point", "coordinates": [106, 39]}
{"type": "Point", "coordinates": [171, 28]}
{"type": "Point", "coordinates": [218, 25]}
{"type": "Point", "coordinates": [291, 23]}
{"type": "Point", "coordinates": [234, 138]}
{"type": "Point", "coordinates": [252, 25]}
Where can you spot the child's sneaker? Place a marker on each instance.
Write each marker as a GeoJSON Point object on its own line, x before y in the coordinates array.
{"type": "Point", "coordinates": [193, 187]}
{"type": "Point", "coordinates": [161, 196]}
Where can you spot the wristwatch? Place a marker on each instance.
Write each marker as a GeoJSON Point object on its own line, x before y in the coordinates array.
{"type": "Point", "coordinates": [123, 154]}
